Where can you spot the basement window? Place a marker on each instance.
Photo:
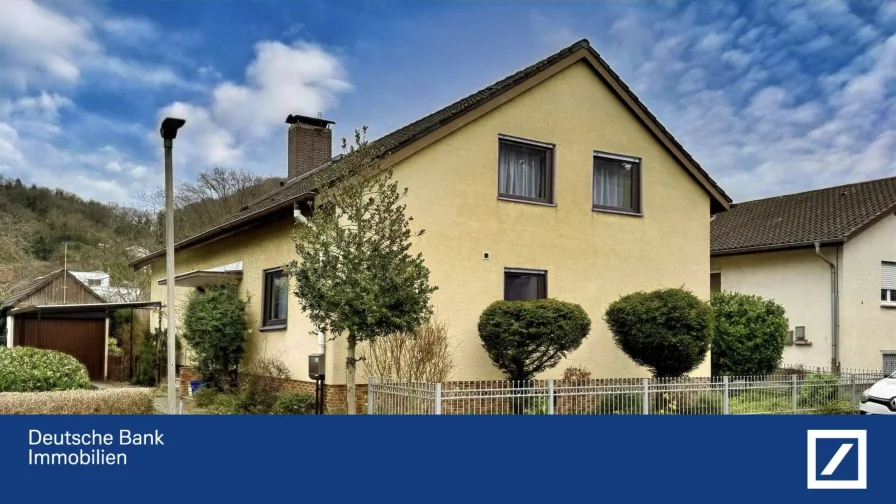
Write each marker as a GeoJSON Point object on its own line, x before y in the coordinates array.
{"type": "Point", "coordinates": [525, 285]}
{"type": "Point", "coordinates": [276, 297]}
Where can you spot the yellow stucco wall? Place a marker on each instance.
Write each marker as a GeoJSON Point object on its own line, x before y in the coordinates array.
{"type": "Point", "coordinates": [799, 281]}
{"type": "Point", "coordinates": [260, 249]}
{"type": "Point", "coordinates": [592, 258]}
{"type": "Point", "coordinates": [867, 327]}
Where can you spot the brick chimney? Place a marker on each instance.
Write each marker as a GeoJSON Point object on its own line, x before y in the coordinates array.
{"type": "Point", "coordinates": [309, 144]}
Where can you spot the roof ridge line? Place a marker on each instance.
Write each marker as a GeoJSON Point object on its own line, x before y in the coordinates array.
{"type": "Point", "coordinates": [819, 189]}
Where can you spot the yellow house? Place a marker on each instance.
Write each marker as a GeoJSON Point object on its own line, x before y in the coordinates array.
{"type": "Point", "coordinates": [555, 181]}
{"type": "Point", "coordinates": [828, 256]}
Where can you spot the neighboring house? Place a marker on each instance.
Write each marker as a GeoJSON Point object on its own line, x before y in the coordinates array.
{"type": "Point", "coordinates": [99, 282]}
{"type": "Point", "coordinates": [553, 182]}
{"type": "Point", "coordinates": [82, 335]}
{"type": "Point", "coordinates": [828, 256]}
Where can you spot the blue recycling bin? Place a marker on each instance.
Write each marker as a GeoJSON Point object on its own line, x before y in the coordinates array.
{"type": "Point", "coordinates": [194, 386]}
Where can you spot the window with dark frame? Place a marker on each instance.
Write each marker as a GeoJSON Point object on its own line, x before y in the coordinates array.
{"type": "Point", "coordinates": [276, 297]}
{"type": "Point", "coordinates": [616, 183]}
{"type": "Point", "coordinates": [525, 285]}
{"type": "Point", "coordinates": [888, 282]}
{"type": "Point", "coordinates": [525, 171]}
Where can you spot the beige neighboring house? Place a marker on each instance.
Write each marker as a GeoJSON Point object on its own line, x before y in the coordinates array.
{"type": "Point", "coordinates": [828, 256]}
{"type": "Point", "coordinates": [555, 181]}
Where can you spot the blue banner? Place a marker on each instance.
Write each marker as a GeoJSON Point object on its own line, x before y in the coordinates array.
{"type": "Point", "coordinates": [309, 459]}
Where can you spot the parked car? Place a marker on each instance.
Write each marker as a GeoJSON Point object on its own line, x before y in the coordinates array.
{"type": "Point", "coordinates": [880, 399]}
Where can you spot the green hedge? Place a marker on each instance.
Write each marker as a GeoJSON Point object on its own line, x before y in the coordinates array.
{"type": "Point", "coordinates": [26, 369]}
{"type": "Point", "coordinates": [748, 334]}
{"type": "Point", "coordinates": [118, 401]}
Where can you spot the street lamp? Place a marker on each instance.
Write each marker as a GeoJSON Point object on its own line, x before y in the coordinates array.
{"type": "Point", "coordinates": [168, 131]}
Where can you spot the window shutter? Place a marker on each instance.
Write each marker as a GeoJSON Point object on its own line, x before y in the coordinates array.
{"type": "Point", "coordinates": [887, 275]}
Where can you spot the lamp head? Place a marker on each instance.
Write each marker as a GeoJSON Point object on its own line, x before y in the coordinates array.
{"type": "Point", "coordinates": [169, 128]}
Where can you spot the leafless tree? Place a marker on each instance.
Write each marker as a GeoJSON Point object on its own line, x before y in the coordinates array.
{"type": "Point", "coordinates": [213, 198]}
{"type": "Point", "coordinates": [425, 356]}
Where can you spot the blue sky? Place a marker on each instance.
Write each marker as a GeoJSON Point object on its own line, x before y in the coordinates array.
{"type": "Point", "coordinates": [771, 96]}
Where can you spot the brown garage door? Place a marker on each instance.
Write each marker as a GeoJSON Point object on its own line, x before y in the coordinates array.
{"type": "Point", "coordinates": [82, 338]}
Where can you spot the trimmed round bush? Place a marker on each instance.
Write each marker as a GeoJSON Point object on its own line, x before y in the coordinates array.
{"type": "Point", "coordinates": [748, 334]}
{"type": "Point", "coordinates": [26, 369]}
{"type": "Point", "coordinates": [524, 338]}
{"type": "Point", "coordinates": [666, 330]}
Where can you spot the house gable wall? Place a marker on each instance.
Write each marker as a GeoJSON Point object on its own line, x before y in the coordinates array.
{"type": "Point", "coordinates": [866, 327]}
{"type": "Point", "coordinates": [591, 257]}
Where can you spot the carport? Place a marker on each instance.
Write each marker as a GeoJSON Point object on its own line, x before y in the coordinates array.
{"type": "Point", "coordinates": [80, 330]}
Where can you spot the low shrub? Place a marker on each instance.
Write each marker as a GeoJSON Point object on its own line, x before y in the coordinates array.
{"type": "Point", "coordinates": [261, 383]}
{"type": "Point", "coordinates": [205, 397]}
{"type": "Point", "coordinates": [294, 403]}
{"type": "Point", "coordinates": [576, 373]}
{"type": "Point", "coordinates": [118, 401]}
{"type": "Point", "coordinates": [837, 407]}
{"type": "Point", "coordinates": [817, 390]}
{"type": "Point", "coordinates": [225, 404]}
{"type": "Point", "coordinates": [627, 403]}
{"type": "Point", "coordinates": [26, 369]}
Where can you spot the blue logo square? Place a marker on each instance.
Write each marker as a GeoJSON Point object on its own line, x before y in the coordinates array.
{"type": "Point", "coordinates": [826, 459]}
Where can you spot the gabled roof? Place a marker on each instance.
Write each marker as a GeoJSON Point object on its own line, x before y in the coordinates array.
{"type": "Point", "coordinates": [404, 141]}
{"type": "Point", "coordinates": [39, 283]}
{"type": "Point", "coordinates": [830, 215]}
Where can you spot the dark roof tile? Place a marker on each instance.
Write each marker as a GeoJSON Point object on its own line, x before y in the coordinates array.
{"type": "Point", "coordinates": [824, 215]}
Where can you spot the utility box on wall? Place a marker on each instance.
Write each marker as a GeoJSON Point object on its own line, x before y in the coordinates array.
{"type": "Point", "coordinates": [316, 365]}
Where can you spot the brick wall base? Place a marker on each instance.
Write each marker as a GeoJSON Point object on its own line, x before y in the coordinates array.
{"type": "Point", "coordinates": [334, 395]}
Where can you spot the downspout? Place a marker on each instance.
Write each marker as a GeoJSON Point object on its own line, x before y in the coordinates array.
{"type": "Point", "coordinates": [835, 311]}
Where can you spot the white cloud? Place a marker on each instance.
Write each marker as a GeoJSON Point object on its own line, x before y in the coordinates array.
{"type": "Point", "coordinates": [10, 156]}
{"type": "Point", "coordinates": [41, 47]}
{"type": "Point", "coordinates": [45, 105]}
{"type": "Point", "coordinates": [749, 103]}
{"type": "Point", "coordinates": [302, 78]}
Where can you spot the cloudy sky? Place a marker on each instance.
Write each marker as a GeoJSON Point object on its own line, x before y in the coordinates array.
{"type": "Point", "coordinates": [771, 96]}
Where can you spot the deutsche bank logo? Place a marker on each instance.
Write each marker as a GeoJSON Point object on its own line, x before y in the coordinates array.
{"type": "Point", "coordinates": [837, 459]}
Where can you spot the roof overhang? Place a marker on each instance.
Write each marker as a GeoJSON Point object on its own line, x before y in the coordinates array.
{"type": "Point", "coordinates": [224, 230]}
{"type": "Point", "coordinates": [203, 278]}
{"type": "Point", "coordinates": [776, 248]}
{"type": "Point", "coordinates": [85, 308]}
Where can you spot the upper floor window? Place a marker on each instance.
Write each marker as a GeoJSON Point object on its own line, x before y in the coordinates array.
{"type": "Point", "coordinates": [525, 170]}
{"type": "Point", "coordinates": [276, 296]}
{"type": "Point", "coordinates": [617, 183]}
{"type": "Point", "coordinates": [525, 285]}
{"type": "Point", "coordinates": [888, 282]}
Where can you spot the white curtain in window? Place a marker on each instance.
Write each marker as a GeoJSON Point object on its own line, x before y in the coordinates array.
{"type": "Point", "coordinates": [613, 183]}
{"type": "Point", "coordinates": [522, 171]}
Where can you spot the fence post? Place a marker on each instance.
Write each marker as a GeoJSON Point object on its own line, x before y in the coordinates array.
{"type": "Point", "coordinates": [855, 399]}
{"type": "Point", "coordinates": [438, 397]}
{"type": "Point", "coordinates": [646, 383]}
{"type": "Point", "coordinates": [793, 399]}
{"type": "Point", "coordinates": [550, 397]}
{"type": "Point", "coordinates": [725, 381]}
{"type": "Point", "coordinates": [369, 395]}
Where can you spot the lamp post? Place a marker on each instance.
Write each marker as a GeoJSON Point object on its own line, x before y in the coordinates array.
{"type": "Point", "coordinates": [168, 131]}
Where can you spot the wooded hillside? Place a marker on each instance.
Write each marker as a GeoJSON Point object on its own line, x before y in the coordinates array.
{"type": "Point", "coordinates": [36, 223]}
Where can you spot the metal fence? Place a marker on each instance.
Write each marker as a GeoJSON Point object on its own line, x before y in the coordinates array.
{"type": "Point", "coordinates": [795, 391]}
